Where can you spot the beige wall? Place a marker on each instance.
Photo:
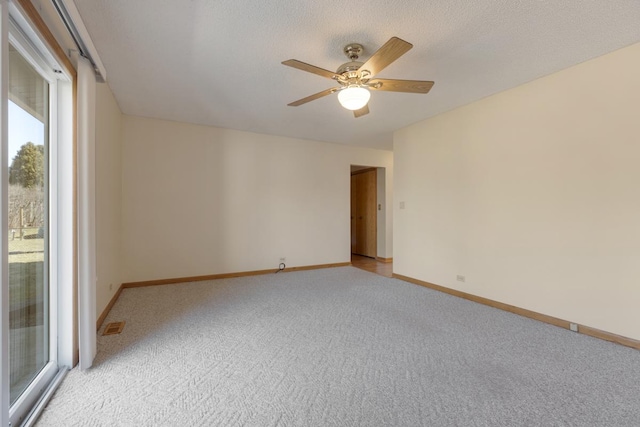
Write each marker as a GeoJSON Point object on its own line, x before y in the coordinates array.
{"type": "Point", "coordinates": [533, 195]}
{"type": "Point", "coordinates": [108, 196]}
{"type": "Point", "coordinates": [201, 200]}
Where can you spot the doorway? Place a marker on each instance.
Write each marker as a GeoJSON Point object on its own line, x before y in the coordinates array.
{"type": "Point", "coordinates": [364, 218]}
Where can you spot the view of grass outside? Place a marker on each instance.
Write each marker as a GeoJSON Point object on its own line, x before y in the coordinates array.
{"type": "Point", "coordinates": [26, 309]}
{"type": "Point", "coordinates": [26, 252]}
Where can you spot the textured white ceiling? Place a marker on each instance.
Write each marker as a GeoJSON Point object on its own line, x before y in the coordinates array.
{"type": "Point", "coordinates": [217, 62]}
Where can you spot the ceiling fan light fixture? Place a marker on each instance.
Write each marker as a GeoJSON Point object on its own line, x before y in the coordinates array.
{"type": "Point", "coordinates": [354, 97]}
{"type": "Point", "coordinates": [355, 76]}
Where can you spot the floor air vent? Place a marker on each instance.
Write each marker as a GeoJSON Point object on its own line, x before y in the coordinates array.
{"type": "Point", "coordinates": [113, 328]}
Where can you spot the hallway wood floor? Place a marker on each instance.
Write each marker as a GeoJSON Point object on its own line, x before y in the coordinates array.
{"type": "Point", "coordinates": [369, 264]}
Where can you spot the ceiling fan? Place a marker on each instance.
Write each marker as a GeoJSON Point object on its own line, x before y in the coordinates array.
{"type": "Point", "coordinates": [357, 78]}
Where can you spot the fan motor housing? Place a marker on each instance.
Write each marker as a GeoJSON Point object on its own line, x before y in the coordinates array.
{"type": "Point", "coordinates": [349, 66]}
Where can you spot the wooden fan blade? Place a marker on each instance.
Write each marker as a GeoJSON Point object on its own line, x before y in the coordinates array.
{"type": "Point", "coordinates": [361, 112]}
{"type": "Point", "coordinates": [313, 97]}
{"type": "Point", "coordinates": [309, 68]}
{"type": "Point", "coordinates": [389, 52]}
{"type": "Point", "coordinates": [391, 85]}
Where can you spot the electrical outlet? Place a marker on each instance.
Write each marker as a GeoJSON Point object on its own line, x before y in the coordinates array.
{"type": "Point", "coordinates": [460, 278]}
{"type": "Point", "coordinates": [573, 327]}
{"type": "Point", "coordinates": [401, 205]}
{"type": "Point", "coordinates": [283, 259]}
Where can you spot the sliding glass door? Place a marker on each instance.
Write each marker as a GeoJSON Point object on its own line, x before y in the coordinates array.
{"type": "Point", "coordinates": [37, 264]}
{"type": "Point", "coordinates": [37, 92]}
{"type": "Point", "coordinates": [28, 234]}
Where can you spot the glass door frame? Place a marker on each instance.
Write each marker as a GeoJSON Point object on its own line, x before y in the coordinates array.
{"type": "Point", "coordinates": [17, 30]}
{"type": "Point", "coordinates": [21, 407]}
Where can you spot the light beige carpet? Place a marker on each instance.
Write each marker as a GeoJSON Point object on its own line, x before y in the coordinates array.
{"type": "Point", "coordinates": [340, 347]}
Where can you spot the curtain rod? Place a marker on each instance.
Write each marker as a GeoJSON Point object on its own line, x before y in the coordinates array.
{"type": "Point", "coordinates": [73, 22]}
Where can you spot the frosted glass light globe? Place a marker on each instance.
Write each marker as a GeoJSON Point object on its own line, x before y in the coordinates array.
{"type": "Point", "coordinates": [354, 97]}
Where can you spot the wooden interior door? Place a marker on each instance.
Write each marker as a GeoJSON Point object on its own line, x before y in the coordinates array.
{"type": "Point", "coordinates": [361, 219]}
{"type": "Point", "coordinates": [354, 189]}
{"type": "Point", "coordinates": [363, 210]}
